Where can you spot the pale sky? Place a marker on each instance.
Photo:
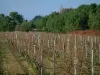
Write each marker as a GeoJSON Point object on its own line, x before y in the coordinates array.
{"type": "Point", "coordinates": [30, 8]}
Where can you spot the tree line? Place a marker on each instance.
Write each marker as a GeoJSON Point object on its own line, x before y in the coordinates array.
{"type": "Point", "coordinates": [84, 17]}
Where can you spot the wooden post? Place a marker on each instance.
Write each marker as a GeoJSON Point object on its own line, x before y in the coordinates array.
{"type": "Point", "coordinates": [99, 52]}
{"type": "Point", "coordinates": [86, 48]}
{"type": "Point", "coordinates": [54, 59]}
{"type": "Point", "coordinates": [63, 44]}
{"type": "Point", "coordinates": [24, 45]}
{"type": "Point", "coordinates": [48, 46]}
{"type": "Point", "coordinates": [92, 66]}
{"type": "Point", "coordinates": [75, 59]}
{"type": "Point", "coordinates": [68, 45]}
{"type": "Point", "coordinates": [41, 61]}
{"type": "Point", "coordinates": [38, 39]}
{"type": "Point", "coordinates": [16, 36]}
{"type": "Point", "coordinates": [95, 42]}
{"type": "Point", "coordinates": [20, 46]}
{"type": "Point", "coordinates": [81, 39]}
{"type": "Point", "coordinates": [41, 56]}
{"type": "Point", "coordinates": [28, 47]}
{"type": "Point", "coordinates": [88, 38]}
{"type": "Point", "coordinates": [58, 36]}
{"type": "Point", "coordinates": [48, 43]}
{"type": "Point", "coordinates": [25, 48]}
{"type": "Point", "coordinates": [34, 50]}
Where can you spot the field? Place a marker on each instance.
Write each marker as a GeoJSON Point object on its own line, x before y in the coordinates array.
{"type": "Point", "coordinates": [41, 53]}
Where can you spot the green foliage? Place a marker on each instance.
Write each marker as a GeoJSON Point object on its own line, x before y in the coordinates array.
{"type": "Point", "coordinates": [25, 26]}
{"type": "Point", "coordinates": [67, 19]}
{"type": "Point", "coordinates": [8, 23]}
{"type": "Point", "coordinates": [16, 17]}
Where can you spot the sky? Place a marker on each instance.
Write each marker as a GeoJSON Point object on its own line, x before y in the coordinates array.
{"type": "Point", "coordinates": [30, 8]}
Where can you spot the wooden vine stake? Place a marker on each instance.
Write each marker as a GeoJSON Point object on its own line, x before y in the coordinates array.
{"type": "Point", "coordinates": [68, 45]}
{"type": "Point", "coordinates": [48, 44]}
{"type": "Point", "coordinates": [92, 57]}
{"type": "Point", "coordinates": [41, 62]}
{"type": "Point", "coordinates": [58, 36]}
{"type": "Point", "coordinates": [75, 59]}
{"type": "Point", "coordinates": [63, 43]}
{"type": "Point", "coordinates": [20, 46]}
{"type": "Point", "coordinates": [40, 49]}
{"type": "Point", "coordinates": [99, 52]}
{"type": "Point", "coordinates": [95, 42]}
{"type": "Point", "coordinates": [16, 36]}
{"type": "Point", "coordinates": [38, 40]}
{"type": "Point", "coordinates": [34, 50]}
{"type": "Point", "coordinates": [24, 45]}
{"type": "Point", "coordinates": [28, 48]}
{"type": "Point", "coordinates": [54, 58]}
{"type": "Point", "coordinates": [86, 48]}
{"type": "Point", "coordinates": [88, 38]}
{"type": "Point", "coordinates": [41, 56]}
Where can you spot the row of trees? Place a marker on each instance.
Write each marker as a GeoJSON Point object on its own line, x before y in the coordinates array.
{"type": "Point", "coordinates": [67, 19]}
{"type": "Point", "coordinates": [15, 21]}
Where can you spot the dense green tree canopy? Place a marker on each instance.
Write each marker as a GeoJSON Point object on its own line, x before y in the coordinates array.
{"type": "Point", "coordinates": [16, 17]}
{"type": "Point", "coordinates": [83, 17]}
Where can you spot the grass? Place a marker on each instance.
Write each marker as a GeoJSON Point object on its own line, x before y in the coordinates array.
{"type": "Point", "coordinates": [1, 61]}
{"type": "Point", "coordinates": [11, 64]}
